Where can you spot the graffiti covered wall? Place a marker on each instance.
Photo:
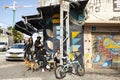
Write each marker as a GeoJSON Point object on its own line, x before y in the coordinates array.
{"type": "Point", "coordinates": [76, 43]}
{"type": "Point", "coordinates": [105, 46]}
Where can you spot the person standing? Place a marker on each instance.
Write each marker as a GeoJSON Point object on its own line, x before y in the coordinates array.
{"type": "Point", "coordinates": [37, 46]}
{"type": "Point", "coordinates": [28, 49]}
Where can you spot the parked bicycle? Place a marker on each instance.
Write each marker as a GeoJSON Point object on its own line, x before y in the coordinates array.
{"type": "Point", "coordinates": [69, 66]}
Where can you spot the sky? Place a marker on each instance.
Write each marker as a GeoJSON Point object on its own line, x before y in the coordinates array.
{"type": "Point", "coordinates": [6, 15]}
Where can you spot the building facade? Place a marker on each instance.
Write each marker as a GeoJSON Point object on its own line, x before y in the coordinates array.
{"type": "Point", "coordinates": [102, 34]}
{"type": "Point", "coordinates": [98, 39]}
{"type": "Point", "coordinates": [75, 31]}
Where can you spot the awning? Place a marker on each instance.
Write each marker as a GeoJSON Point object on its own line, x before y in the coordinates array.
{"type": "Point", "coordinates": [48, 11]}
{"type": "Point", "coordinates": [39, 21]}
{"type": "Point", "coordinates": [25, 28]}
{"type": "Point", "coordinates": [34, 20]}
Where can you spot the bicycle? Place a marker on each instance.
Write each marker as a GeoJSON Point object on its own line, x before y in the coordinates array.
{"type": "Point", "coordinates": [68, 66]}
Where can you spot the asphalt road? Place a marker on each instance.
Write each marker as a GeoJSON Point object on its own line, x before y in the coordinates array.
{"type": "Point", "coordinates": [15, 70]}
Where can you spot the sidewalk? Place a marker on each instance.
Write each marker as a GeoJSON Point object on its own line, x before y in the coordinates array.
{"type": "Point", "coordinates": [103, 70]}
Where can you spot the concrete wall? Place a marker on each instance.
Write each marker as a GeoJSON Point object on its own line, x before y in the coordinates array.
{"type": "Point", "coordinates": [87, 47]}
{"type": "Point", "coordinates": [105, 11]}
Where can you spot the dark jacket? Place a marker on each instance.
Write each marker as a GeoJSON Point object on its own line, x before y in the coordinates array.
{"type": "Point", "coordinates": [28, 47]}
{"type": "Point", "coordinates": [41, 54]}
{"type": "Point", "coordinates": [37, 43]}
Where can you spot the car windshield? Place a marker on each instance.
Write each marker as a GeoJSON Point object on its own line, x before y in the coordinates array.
{"type": "Point", "coordinates": [18, 46]}
{"type": "Point", "coordinates": [2, 43]}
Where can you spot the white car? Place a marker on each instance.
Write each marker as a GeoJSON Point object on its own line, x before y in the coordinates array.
{"type": "Point", "coordinates": [3, 46]}
{"type": "Point", "coordinates": [15, 52]}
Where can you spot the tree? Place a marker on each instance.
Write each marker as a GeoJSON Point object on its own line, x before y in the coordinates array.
{"type": "Point", "coordinates": [17, 36]}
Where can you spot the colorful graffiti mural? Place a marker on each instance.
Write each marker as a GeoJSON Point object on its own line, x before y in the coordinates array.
{"type": "Point", "coordinates": [75, 46]}
{"type": "Point", "coordinates": [75, 40]}
{"type": "Point", "coordinates": [105, 46]}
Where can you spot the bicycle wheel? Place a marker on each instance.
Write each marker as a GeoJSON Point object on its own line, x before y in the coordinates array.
{"type": "Point", "coordinates": [80, 71]}
{"type": "Point", "coordinates": [59, 74]}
